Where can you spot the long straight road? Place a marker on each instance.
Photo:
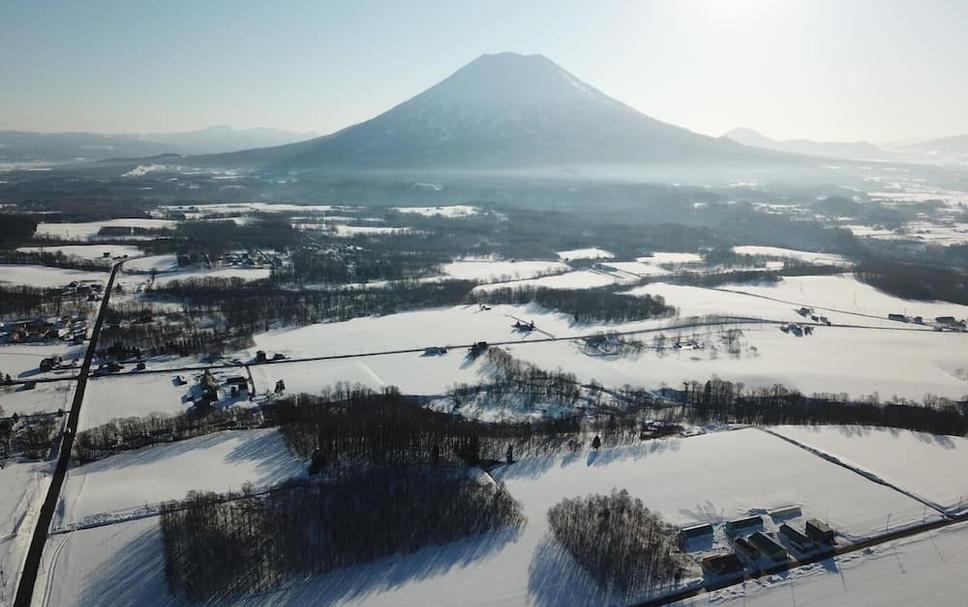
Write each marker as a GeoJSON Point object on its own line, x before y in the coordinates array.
{"type": "Point", "coordinates": [28, 578]}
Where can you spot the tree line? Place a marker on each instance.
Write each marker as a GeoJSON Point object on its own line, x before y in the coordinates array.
{"type": "Point", "coordinates": [216, 549]}
{"type": "Point", "coordinates": [719, 401]}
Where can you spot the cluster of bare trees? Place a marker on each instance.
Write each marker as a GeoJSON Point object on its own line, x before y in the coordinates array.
{"type": "Point", "coordinates": [584, 305]}
{"type": "Point", "coordinates": [512, 379]}
{"type": "Point", "coordinates": [257, 307]}
{"type": "Point", "coordinates": [25, 301]}
{"type": "Point", "coordinates": [165, 337]}
{"type": "Point", "coordinates": [28, 436]}
{"type": "Point", "coordinates": [349, 428]}
{"type": "Point", "coordinates": [216, 548]}
{"type": "Point", "coordinates": [910, 280]}
{"type": "Point", "coordinates": [128, 433]}
{"type": "Point", "coordinates": [378, 260]}
{"type": "Point", "coordinates": [626, 547]}
{"type": "Point", "coordinates": [717, 400]}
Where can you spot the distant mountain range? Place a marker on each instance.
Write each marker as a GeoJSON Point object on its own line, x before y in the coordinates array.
{"type": "Point", "coordinates": [499, 113]}
{"type": "Point", "coordinates": [30, 147]}
{"type": "Point", "coordinates": [946, 150]}
{"type": "Point", "coordinates": [503, 111]}
{"type": "Point", "coordinates": [853, 150]}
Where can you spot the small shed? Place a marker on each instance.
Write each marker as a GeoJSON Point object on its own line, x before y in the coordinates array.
{"type": "Point", "coordinates": [819, 531]}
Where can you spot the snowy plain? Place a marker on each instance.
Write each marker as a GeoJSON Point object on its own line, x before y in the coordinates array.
{"type": "Point", "coordinates": [699, 479]}
{"type": "Point", "coordinates": [31, 275]}
{"type": "Point", "coordinates": [218, 462]}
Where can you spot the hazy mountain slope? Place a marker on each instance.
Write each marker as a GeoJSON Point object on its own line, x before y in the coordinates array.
{"type": "Point", "coordinates": [24, 146]}
{"type": "Point", "coordinates": [853, 150]}
{"type": "Point", "coordinates": [501, 111]}
{"type": "Point", "coordinates": [950, 149]}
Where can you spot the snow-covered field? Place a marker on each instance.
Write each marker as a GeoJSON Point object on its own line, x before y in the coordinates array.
{"type": "Point", "coordinates": [22, 361]}
{"type": "Point", "coordinates": [579, 279]}
{"type": "Point", "coordinates": [501, 270]}
{"type": "Point", "coordinates": [846, 293]}
{"type": "Point", "coordinates": [46, 397]}
{"type": "Point", "coordinates": [901, 457]}
{"type": "Point", "coordinates": [906, 363]}
{"type": "Point", "coordinates": [711, 478]}
{"type": "Point", "coordinates": [45, 277]}
{"type": "Point", "coordinates": [87, 251]}
{"type": "Point", "coordinates": [419, 329]}
{"type": "Point", "coordinates": [450, 211]}
{"type": "Point", "coordinates": [22, 490]}
{"type": "Point", "coordinates": [131, 395]}
{"type": "Point", "coordinates": [805, 256]}
{"type": "Point", "coordinates": [858, 362]}
{"type": "Point", "coordinates": [921, 570]}
{"type": "Point", "coordinates": [89, 230]}
{"type": "Point", "coordinates": [215, 462]}
{"type": "Point", "coordinates": [153, 263]}
{"type": "Point", "coordinates": [590, 253]}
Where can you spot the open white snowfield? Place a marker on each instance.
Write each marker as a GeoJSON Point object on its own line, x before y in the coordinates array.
{"type": "Point", "coordinates": [87, 251]}
{"type": "Point", "coordinates": [133, 394]}
{"type": "Point", "coordinates": [30, 275]}
{"type": "Point", "coordinates": [22, 361]}
{"type": "Point", "coordinates": [928, 465]}
{"type": "Point", "coordinates": [490, 271]}
{"type": "Point", "coordinates": [89, 230]}
{"type": "Point", "coordinates": [841, 298]}
{"type": "Point", "coordinates": [22, 490]}
{"type": "Point", "coordinates": [847, 294]}
{"type": "Point", "coordinates": [457, 325]}
{"type": "Point", "coordinates": [781, 253]}
{"type": "Point", "coordinates": [589, 253]}
{"type": "Point", "coordinates": [142, 479]}
{"type": "Point", "coordinates": [925, 570]}
{"type": "Point", "coordinates": [858, 362]}
{"type": "Point", "coordinates": [46, 397]}
{"type": "Point", "coordinates": [452, 211]}
{"type": "Point", "coordinates": [152, 263]}
{"type": "Point", "coordinates": [708, 478]}
{"type": "Point", "coordinates": [578, 279]}
{"type": "Point", "coordinates": [412, 373]}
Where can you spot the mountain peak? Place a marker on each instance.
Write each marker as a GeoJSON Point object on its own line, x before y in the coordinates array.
{"type": "Point", "coordinates": [504, 111]}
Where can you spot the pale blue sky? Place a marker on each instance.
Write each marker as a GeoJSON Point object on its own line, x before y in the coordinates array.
{"type": "Point", "coordinates": [825, 69]}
